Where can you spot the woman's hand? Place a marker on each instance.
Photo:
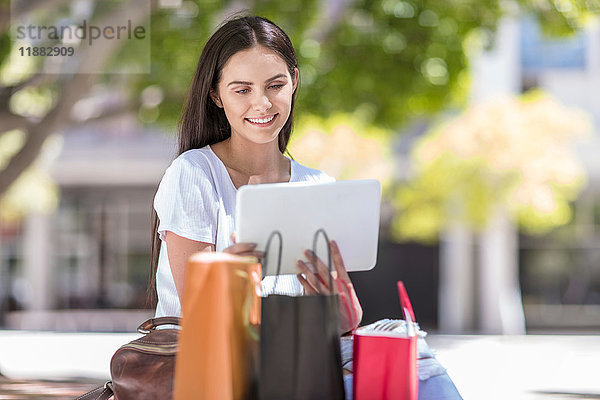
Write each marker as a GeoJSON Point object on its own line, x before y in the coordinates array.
{"type": "Point", "coordinates": [243, 249]}
{"type": "Point", "coordinates": [316, 280]}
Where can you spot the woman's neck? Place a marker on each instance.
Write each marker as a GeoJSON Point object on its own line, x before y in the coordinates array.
{"type": "Point", "coordinates": [250, 163]}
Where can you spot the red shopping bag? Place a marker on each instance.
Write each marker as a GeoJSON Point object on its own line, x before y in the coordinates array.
{"type": "Point", "coordinates": [385, 363]}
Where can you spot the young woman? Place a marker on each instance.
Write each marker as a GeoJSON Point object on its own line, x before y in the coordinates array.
{"type": "Point", "coordinates": [234, 131]}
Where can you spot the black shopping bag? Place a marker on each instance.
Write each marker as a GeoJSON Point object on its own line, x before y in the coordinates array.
{"type": "Point", "coordinates": [299, 345]}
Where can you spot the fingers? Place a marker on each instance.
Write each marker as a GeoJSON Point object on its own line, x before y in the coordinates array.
{"type": "Point", "coordinates": [258, 254]}
{"type": "Point", "coordinates": [338, 261]}
{"type": "Point", "coordinates": [244, 249]}
{"type": "Point", "coordinates": [307, 286]}
{"type": "Point", "coordinates": [348, 309]}
{"type": "Point", "coordinates": [322, 270]}
{"type": "Point", "coordinates": [240, 247]}
{"type": "Point", "coordinates": [314, 280]}
{"type": "Point", "coordinates": [317, 275]}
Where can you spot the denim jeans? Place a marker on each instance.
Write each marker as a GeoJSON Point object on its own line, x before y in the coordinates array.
{"type": "Point", "coordinates": [439, 387]}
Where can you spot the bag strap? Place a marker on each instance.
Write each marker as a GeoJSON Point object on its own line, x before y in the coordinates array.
{"type": "Point", "coordinates": [150, 324]}
{"type": "Point", "coordinates": [314, 254]}
{"type": "Point", "coordinates": [320, 231]}
{"type": "Point", "coordinates": [407, 309]}
{"type": "Point", "coordinates": [102, 393]}
{"type": "Point", "coordinates": [265, 260]}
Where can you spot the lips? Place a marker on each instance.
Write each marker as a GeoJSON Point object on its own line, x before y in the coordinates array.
{"type": "Point", "coordinates": [263, 121]}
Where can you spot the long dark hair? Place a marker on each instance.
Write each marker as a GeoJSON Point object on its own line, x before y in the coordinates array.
{"type": "Point", "coordinates": [202, 123]}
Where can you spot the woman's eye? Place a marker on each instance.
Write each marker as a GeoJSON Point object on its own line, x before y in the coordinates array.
{"type": "Point", "coordinates": [277, 86]}
{"type": "Point", "coordinates": [242, 91]}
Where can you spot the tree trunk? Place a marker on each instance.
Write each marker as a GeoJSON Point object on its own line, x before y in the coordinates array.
{"type": "Point", "coordinates": [500, 304]}
{"type": "Point", "coordinates": [456, 290]}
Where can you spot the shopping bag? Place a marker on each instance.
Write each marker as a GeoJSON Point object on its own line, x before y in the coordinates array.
{"type": "Point", "coordinates": [385, 363]}
{"type": "Point", "coordinates": [299, 347]}
{"type": "Point", "coordinates": [217, 357]}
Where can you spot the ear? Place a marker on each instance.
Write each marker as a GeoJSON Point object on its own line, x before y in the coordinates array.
{"type": "Point", "coordinates": [295, 79]}
{"type": "Point", "coordinates": [216, 98]}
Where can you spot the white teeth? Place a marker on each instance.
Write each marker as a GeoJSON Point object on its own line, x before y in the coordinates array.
{"type": "Point", "coordinates": [261, 120]}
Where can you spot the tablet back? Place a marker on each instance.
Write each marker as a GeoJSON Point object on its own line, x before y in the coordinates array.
{"type": "Point", "coordinates": [347, 210]}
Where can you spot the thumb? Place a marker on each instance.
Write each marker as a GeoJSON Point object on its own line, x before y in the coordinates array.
{"type": "Point", "coordinates": [233, 238]}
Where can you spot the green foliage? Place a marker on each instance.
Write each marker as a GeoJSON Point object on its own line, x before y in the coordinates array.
{"type": "Point", "coordinates": [34, 191]}
{"type": "Point", "coordinates": [404, 58]}
{"type": "Point", "coordinates": [450, 188]}
{"type": "Point", "coordinates": [4, 46]}
{"type": "Point", "coordinates": [343, 145]}
{"type": "Point", "coordinates": [177, 39]}
{"type": "Point", "coordinates": [400, 59]}
{"type": "Point", "coordinates": [561, 17]}
{"type": "Point", "coordinates": [512, 153]}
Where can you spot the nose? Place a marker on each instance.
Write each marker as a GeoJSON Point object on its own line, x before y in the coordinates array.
{"type": "Point", "coordinates": [262, 103]}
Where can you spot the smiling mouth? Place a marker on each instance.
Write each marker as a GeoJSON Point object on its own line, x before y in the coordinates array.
{"type": "Point", "coordinates": [262, 121]}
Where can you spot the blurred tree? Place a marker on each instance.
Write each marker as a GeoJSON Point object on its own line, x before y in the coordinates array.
{"type": "Point", "coordinates": [392, 60]}
{"type": "Point", "coordinates": [395, 59]}
{"type": "Point", "coordinates": [343, 146]}
{"type": "Point", "coordinates": [35, 105]}
{"type": "Point", "coordinates": [488, 157]}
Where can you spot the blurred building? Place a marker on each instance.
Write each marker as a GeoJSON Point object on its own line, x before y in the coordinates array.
{"type": "Point", "coordinates": [93, 252]}
{"type": "Point", "coordinates": [560, 273]}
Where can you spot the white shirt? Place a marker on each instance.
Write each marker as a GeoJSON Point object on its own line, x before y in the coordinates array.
{"type": "Point", "coordinates": [196, 199]}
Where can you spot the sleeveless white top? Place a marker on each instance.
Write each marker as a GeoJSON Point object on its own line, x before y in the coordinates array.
{"type": "Point", "coordinates": [196, 199]}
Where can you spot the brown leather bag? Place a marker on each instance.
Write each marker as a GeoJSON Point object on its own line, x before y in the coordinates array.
{"type": "Point", "coordinates": [143, 368]}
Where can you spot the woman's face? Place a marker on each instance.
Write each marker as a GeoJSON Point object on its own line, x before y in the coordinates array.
{"type": "Point", "coordinates": [256, 93]}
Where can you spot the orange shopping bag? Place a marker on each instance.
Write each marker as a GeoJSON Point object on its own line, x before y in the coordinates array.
{"type": "Point", "coordinates": [218, 344]}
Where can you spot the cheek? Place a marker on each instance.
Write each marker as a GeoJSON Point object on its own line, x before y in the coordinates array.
{"type": "Point", "coordinates": [284, 98]}
{"type": "Point", "coordinates": [233, 107]}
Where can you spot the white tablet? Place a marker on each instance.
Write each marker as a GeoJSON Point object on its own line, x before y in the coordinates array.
{"type": "Point", "coordinates": [348, 211]}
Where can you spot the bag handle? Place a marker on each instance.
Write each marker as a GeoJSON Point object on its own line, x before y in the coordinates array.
{"type": "Point", "coordinates": [248, 314]}
{"type": "Point", "coordinates": [101, 393]}
{"type": "Point", "coordinates": [267, 247]}
{"type": "Point", "coordinates": [407, 309]}
{"type": "Point", "coordinates": [314, 256]}
{"type": "Point", "coordinates": [319, 231]}
{"type": "Point", "coordinates": [150, 324]}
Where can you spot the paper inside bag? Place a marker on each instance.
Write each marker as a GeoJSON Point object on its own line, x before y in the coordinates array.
{"type": "Point", "coordinates": [390, 328]}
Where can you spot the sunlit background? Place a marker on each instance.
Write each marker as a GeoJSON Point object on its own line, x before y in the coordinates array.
{"type": "Point", "coordinates": [480, 119]}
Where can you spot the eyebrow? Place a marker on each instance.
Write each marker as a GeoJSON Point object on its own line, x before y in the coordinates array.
{"type": "Point", "coordinates": [250, 83]}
